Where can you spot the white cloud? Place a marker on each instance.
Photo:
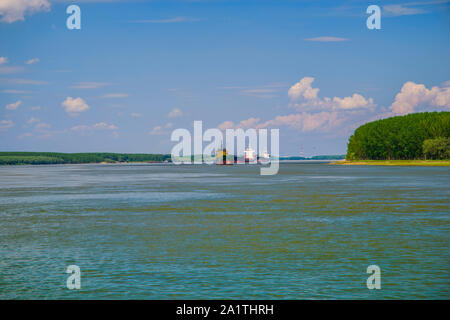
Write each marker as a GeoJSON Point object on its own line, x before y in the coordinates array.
{"type": "Point", "coordinates": [414, 96]}
{"type": "Point", "coordinates": [115, 95]}
{"type": "Point", "coordinates": [104, 126]}
{"type": "Point", "coordinates": [156, 131]}
{"type": "Point", "coordinates": [13, 106]}
{"type": "Point", "coordinates": [327, 39]}
{"type": "Point", "coordinates": [15, 10]}
{"type": "Point", "coordinates": [226, 125]}
{"type": "Point", "coordinates": [6, 124]}
{"type": "Point", "coordinates": [161, 130]}
{"type": "Point", "coordinates": [303, 89]}
{"type": "Point", "coordinates": [35, 108]}
{"type": "Point", "coordinates": [3, 60]}
{"type": "Point", "coordinates": [244, 124]}
{"type": "Point", "coordinates": [353, 102]}
{"type": "Point", "coordinates": [175, 113]}
{"type": "Point", "coordinates": [32, 61]}
{"type": "Point", "coordinates": [445, 84]}
{"type": "Point", "coordinates": [303, 121]}
{"type": "Point", "coordinates": [305, 97]}
{"type": "Point", "coordinates": [401, 10]}
{"type": "Point", "coordinates": [88, 85]}
{"type": "Point", "coordinates": [136, 115]}
{"type": "Point", "coordinates": [74, 106]}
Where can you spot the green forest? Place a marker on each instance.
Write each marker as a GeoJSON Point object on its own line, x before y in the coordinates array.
{"type": "Point", "coordinates": [64, 158]}
{"type": "Point", "coordinates": [413, 136]}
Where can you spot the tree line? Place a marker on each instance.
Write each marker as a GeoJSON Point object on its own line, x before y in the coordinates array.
{"type": "Point", "coordinates": [413, 136]}
{"type": "Point", "coordinates": [67, 158]}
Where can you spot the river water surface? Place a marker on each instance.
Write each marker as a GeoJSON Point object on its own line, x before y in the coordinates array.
{"type": "Point", "coordinates": [203, 232]}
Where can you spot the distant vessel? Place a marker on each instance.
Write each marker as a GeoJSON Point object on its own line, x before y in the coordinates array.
{"type": "Point", "coordinates": [264, 157]}
{"type": "Point", "coordinates": [222, 157]}
{"type": "Point", "coordinates": [249, 155]}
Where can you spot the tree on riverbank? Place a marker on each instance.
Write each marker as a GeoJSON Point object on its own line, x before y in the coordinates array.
{"type": "Point", "coordinates": [402, 138]}
{"type": "Point", "coordinates": [436, 148]}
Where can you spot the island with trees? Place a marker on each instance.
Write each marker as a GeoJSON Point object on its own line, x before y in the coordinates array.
{"type": "Point", "coordinates": [413, 139]}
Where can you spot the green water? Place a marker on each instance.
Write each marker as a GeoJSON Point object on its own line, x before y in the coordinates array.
{"type": "Point", "coordinates": [188, 232]}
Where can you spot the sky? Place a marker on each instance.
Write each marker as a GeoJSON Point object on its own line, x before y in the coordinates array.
{"type": "Point", "coordinates": [137, 70]}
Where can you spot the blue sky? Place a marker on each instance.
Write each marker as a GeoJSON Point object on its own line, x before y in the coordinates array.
{"type": "Point", "coordinates": [139, 69]}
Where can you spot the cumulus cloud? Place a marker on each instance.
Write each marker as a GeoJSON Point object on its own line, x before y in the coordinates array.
{"type": "Point", "coordinates": [353, 102]}
{"type": "Point", "coordinates": [175, 113]}
{"type": "Point", "coordinates": [303, 89]}
{"type": "Point", "coordinates": [226, 125]}
{"type": "Point", "coordinates": [305, 121]}
{"type": "Point", "coordinates": [315, 113]}
{"type": "Point", "coordinates": [304, 97]}
{"type": "Point", "coordinates": [15, 10]}
{"type": "Point", "coordinates": [300, 121]}
{"type": "Point", "coordinates": [74, 106]}
{"type": "Point", "coordinates": [13, 106]}
{"type": "Point", "coordinates": [6, 124]}
{"type": "Point", "coordinates": [414, 97]}
{"type": "Point", "coordinates": [3, 60]}
{"type": "Point", "coordinates": [32, 61]}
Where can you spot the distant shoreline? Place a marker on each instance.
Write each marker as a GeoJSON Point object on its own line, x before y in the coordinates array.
{"type": "Point", "coordinates": [422, 163]}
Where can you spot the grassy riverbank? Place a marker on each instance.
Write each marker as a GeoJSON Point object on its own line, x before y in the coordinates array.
{"type": "Point", "coordinates": [427, 163]}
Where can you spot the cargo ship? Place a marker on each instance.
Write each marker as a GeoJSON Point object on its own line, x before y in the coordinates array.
{"type": "Point", "coordinates": [250, 156]}
{"type": "Point", "coordinates": [222, 157]}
